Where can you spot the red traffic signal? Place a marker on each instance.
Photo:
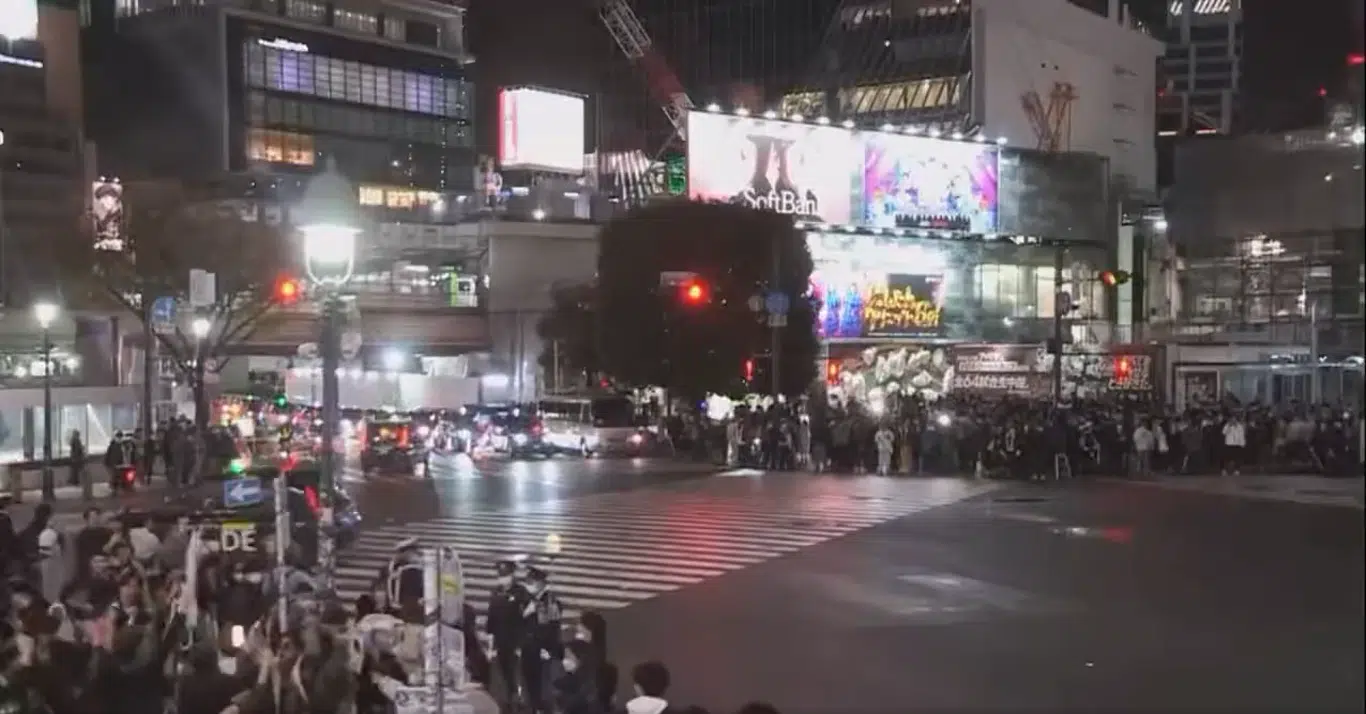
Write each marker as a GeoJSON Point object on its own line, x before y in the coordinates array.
{"type": "Point", "coordinates": [287, 290]}
{"type": "Point", "coordinates": [1124, 368]}
{"type": "Point", "coordinates": [749, 370]}
{"type": "Point", "coordinates": [1113, 278]}
{"type": "Point", "coordinates": [694, 292]}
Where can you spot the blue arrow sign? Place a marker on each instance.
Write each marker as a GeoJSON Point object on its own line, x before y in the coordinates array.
{"type": "Point", "coordinates": [242, 492]}
{"type": "Point", "coordinates": [163, 314]}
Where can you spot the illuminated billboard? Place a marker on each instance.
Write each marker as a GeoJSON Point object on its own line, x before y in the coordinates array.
{"type": "Point", "coordinates": [540, 130]}
{"type": "Point", "coordinates": [106, 214]}
{"type": "Point", "coordinates": [808, 171]}
{"type": "Point", "coordinates": [915, 182]}
{"type": "Point", "coordinates": [872, 286]}
{"type": "Point", "coordinates": [19, 19]}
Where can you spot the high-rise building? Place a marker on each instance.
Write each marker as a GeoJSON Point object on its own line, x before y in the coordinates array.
{"type": "Point", "coordinates": [279, 87]}
{"type": "Point", "coordinates": [40, 147]}
{"type": "Point", "coordinates": [1202, 68]}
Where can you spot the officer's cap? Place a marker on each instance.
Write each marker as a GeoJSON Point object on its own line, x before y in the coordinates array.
{"type": "Point", "coordinates": [406, 544]}
{"type": "Point", "coordinates": [506, 567]}
{"type": "Point", "coordinates": [536, 574]}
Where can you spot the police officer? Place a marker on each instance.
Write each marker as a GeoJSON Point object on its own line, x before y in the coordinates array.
{"type": "Point", "coordinates": [505, 624]}
{"type": "Point", "coordinates": [541, 617]}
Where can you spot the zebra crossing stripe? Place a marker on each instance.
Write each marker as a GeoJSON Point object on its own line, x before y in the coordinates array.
{"type": "Point", "coordinates": [623, 548]}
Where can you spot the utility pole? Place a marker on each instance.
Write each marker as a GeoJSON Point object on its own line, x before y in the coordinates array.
{"type": "Point", "coordinates": [775, 321]}
{"type": "Point", "coordinates": [1062, 304]}
{"type": "Point", "coordinates": [149, 354]}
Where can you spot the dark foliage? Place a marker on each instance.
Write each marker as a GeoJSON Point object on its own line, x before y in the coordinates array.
{"type": "Point", "coordinates": [571, 326]}
{"type": "Point", "coordinates": [651, 335]}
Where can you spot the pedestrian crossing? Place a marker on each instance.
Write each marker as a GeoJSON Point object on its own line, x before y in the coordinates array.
{"type": "Point", "coordinates": [622, 548]}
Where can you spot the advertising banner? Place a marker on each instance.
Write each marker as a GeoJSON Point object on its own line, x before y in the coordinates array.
{"type": "Point", "coordinates": [541, 131]}
{"type": "Point", "coordinates": [899, 306]}
{"type": "Point", "coordinates": [1021, 370]}
{"type": "Point", "coordinates": [915, 182]}
{"type": "Point", "coordinates": [106, 212]}
{"type": "Point", "coordinates": [808, 171]}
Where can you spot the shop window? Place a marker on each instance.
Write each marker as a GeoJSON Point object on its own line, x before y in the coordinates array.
{"type": "Point", "coordinates": [280, 147]}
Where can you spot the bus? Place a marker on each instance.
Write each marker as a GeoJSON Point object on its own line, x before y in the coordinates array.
{"type": "Point", "coordinates": [596, 425]}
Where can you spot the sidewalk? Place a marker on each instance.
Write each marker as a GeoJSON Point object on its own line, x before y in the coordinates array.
{"type": "Point", "coordinates": [1314, 490]}
{"type": "Point", "coordinates": [69, 507]}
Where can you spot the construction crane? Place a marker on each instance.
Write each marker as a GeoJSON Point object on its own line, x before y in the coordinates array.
{"type": "Point", "coordinates": [625, 27]}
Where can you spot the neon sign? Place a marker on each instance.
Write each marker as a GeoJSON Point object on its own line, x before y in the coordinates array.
{"type": "Point", "coordinates": [283, 44]}
{"type": "Point", "coordinates": [900, 310]}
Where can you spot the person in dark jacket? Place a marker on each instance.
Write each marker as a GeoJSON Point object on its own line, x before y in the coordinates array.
{"type": "Point", "coordinates": [206, 690]}
{"type": "Point", "coordinates": [576, 691]}
{"type": "Point", "coordinates": [592, 630]}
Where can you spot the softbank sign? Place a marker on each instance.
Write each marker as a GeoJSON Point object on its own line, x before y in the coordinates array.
{"type": "Point", "coordinates": [803, 170]}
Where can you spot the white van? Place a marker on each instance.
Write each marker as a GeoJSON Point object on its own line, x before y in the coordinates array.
{"type": "Point", "coordinates": [591, 425]}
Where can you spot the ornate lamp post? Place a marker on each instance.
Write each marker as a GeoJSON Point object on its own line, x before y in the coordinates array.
{"type": "Point", "coordinates": [328, 217]}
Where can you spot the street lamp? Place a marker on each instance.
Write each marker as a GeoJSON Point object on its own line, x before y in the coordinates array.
{"type": "Point", "coordinates": [328, 217]}
{"type": "Point", "coordinates": [46, 313]}
{"type": "Point", "coordinates": [199, 329]}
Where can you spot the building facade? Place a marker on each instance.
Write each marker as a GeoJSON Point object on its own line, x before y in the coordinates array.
{"type": "Point", "coordinates": [1269, 251]}
{"type": "Point", "coordinates": [278, 88]}
{"type": "Point", "coordinates": [1202, 67]}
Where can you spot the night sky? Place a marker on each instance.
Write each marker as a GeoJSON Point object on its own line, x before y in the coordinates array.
{"type": "Point", "coordinates": [1292, 50]}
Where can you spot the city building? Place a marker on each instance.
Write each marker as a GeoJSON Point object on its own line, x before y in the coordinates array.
{"type": "Point", "coordinates": [1046, 75]}
{"type": "Point", "coordinates": [277, 88]}
{"type": "Point", "coordinates": [43, 186]}
{"type": "Point", "coordinates": [1202, 67]}
{"type": "Point", "coordinates": [1268, 239]}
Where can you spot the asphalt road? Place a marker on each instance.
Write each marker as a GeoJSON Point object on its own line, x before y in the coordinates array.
{"type": "Point", "coordinates": [1097, 598]}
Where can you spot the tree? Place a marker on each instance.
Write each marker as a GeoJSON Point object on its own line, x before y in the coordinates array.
{"type": "Point", "coordinates": [169, 237]}
{"type": "Point", "coordinates": [698, 340]}
{"type": "Point", "coordinates": [569, 331]}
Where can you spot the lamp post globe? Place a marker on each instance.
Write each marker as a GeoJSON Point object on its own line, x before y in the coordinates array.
{"type": "Point", "coordinates": [328, 217]}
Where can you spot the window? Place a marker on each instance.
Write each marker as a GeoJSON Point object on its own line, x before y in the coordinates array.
{"type": "Point", "coordinates": [280, 147]}
{"type": "Point", "coordinates": [306, 10]}
{"type": "Point", "coordinates": [356, 21]}
{"type": "Point", "coordinates": [394, 28]}
{"type": "Point", "coordinates": [355, 82]}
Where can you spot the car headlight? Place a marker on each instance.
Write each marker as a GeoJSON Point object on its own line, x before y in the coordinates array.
{"type": "Point", "coordinates": [636, 439]}
{"type": "Point", "coordinates": [519, 439]}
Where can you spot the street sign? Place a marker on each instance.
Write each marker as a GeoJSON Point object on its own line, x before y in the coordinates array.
{"type": "Point", "coordinates": [234, 537]}
{"type": "Point", "coordinates": [777, 319]}
{"type": "Point", "coordinates": [240, 492]}
{"type": "Point", "coordinates": [163, 315]}
{"type": "Point", "coordinates": [674, 278]}
{"type": "Point", "coordinates": [756, 303]}
{"type": "Point", "coordinates": [777, 303]}
{"type": "Point", "coordinates": [203, 288]}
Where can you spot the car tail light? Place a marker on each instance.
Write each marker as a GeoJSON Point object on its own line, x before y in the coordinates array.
{"type": "Point", "coordinates": [129, 475]}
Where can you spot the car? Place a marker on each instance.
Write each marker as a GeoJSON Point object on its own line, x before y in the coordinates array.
{"type": "Point", "coordinates": [389, 447]}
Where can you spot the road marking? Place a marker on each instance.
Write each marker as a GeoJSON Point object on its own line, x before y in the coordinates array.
{"type": "Point", "coordinates": [622, 548]}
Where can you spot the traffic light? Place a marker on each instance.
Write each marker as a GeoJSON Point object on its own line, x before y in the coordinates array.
{"type": "Point", "coordinates": [694, 292]}
{"type": "Point", "coordinates": [1124, 368]}
{"type": "Point", "coordinates": [280, 400]}
{"type": "Point", "coordinates": [287, 290]}
{"type": "Point", "coordinates": [1113, 278]}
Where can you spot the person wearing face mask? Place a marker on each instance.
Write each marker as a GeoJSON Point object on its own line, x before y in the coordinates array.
{"type": "Point", "coordinates": [505, 626]}
{"type": "Point", "coordinates": [576, 689]}
{"type": "Point", "coordinates": [592, 630]}
{"type": "Point", "coordinates": [542, 616]}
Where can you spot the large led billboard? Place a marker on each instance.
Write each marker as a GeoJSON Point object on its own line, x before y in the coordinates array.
{"type": "Point", "coordinates": [19, 19]}
{"type": "Point", "coordinates": [806, 170]}
{"type": "Point", "coordinates": [839, 176]}
{"type": "Point", "coordinates": [915, 182]}
{"type": "Point", "coordinates": [874, 286]}
{"type": "Point", "coordinates": [540, 130]}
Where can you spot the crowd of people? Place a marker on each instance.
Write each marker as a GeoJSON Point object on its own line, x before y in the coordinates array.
{"type": "Point", "coordinates": [1013, 437]}
{"type": "Point", "coordinates": [133, 616]}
